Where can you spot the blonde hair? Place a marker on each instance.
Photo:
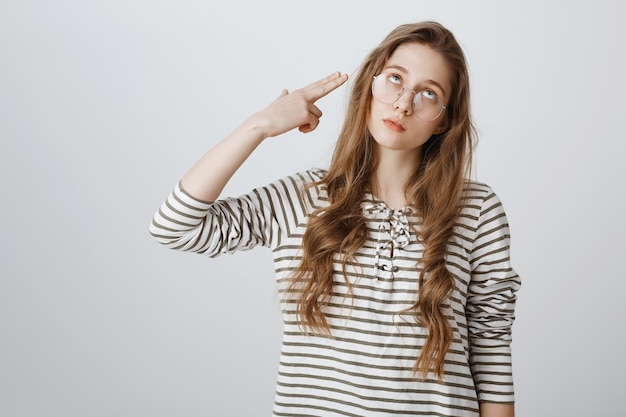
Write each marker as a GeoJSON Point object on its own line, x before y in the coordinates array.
{"type": "Point", "coordinates": [435, 191]}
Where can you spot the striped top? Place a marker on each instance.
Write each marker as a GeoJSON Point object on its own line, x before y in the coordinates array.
{"type": "Point", "coordinates": [365, 367]}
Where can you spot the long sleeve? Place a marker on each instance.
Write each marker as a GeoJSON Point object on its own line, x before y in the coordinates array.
{"type": "Point", "coordinates": [225, 226]}
{"type": "Point", "coordinates": [263, 217]}
{"type": "Point", "coordinates": [490, 308]}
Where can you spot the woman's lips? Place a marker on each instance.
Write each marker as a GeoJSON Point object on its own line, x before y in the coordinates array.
{"type": "Point", "coordinates": [394, 125]}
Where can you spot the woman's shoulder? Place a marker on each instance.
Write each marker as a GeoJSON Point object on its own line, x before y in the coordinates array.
{"type": "Point", "coordinates": [304, 187]}
{"type": "Point", "coordinates": [311, 177]}
{"type": "Point", "coordinates": [314, 175]}
{"type": "Point", "coordinates": [480, 199]}
{"type": "Point", "coordinates": [478, 191]}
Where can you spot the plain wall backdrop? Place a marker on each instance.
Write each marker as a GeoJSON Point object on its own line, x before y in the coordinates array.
{"type": "Point", "coordinates": [105, 104]}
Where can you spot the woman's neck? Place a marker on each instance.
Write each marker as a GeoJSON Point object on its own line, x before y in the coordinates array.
{"type": "Point", "coordinates": [393, 171]}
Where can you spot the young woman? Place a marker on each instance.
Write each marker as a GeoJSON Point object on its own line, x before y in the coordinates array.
{"type": "Point", "coordinates": [393, 268]}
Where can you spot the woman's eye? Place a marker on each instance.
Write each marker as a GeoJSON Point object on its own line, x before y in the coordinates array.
{"type": "Point", "coordinates": [429, 95]}
{"type": "Point", "coordinates": [395, 79]}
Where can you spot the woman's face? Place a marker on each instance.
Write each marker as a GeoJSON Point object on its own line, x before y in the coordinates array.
{"type": "Point", "coordinates": [394, 126]}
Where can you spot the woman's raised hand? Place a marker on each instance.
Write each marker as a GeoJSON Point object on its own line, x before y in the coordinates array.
{"type": "Point", "coordinates": [206, 179]}
{"type": "Point", "coordinates": [296, 109]}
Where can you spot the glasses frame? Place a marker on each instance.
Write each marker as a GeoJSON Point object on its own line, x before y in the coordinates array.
{"type": "Point", "coordinates": [404, 90]}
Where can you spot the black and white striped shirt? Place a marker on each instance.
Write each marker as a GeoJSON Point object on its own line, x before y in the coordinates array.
{"type": "Point", "coordinates": [365, 367]}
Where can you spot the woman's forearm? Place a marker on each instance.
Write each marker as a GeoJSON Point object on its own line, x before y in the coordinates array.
{"type": "Point", "coordinates": [497, 410]}
{"type": "Point", "coordinates": [207, 178]}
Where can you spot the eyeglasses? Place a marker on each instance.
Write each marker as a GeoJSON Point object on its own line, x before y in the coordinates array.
{"type": "Point", "coordinates": [388, 88]}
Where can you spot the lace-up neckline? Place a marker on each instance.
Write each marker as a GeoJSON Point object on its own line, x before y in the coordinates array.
{"type": "Point", "coordinates": [394, 232]}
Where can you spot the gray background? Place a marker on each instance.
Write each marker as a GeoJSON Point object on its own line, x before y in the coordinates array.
{"type": "Point", "coordinates": [105, 104]}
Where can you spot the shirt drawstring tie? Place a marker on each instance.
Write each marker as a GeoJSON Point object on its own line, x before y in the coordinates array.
{"type": "Point", "coordinates": [393, 233]}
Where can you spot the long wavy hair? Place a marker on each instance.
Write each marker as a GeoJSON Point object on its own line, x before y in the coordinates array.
{"type": "Point", "coordinates": [435, 191]}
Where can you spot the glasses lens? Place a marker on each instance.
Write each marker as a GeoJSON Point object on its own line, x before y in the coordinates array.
{"type": "Point", "coordinates": [427, 105]}
{"type": "Point", "coordinates": [386, 88]}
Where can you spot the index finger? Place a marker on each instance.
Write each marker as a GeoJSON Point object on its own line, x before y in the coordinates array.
{"type": "Point", "coordinates": [324, 86]}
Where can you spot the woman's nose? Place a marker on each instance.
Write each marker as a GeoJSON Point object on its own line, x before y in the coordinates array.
{"type": "Point", "coordinates": [404, 103]}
